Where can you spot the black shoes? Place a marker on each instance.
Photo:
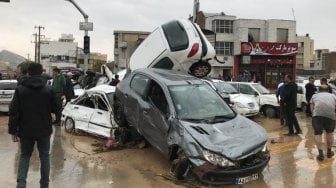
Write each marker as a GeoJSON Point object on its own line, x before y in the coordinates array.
{"type": "Point", "coordinates": [289, 134]}
{"type": "Point", "coordinates": [320, 157]}
{"type": "Point", "coordinates": [330, 154]}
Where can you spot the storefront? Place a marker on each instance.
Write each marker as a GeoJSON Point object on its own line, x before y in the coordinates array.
{"type": "Point", "coordinates": [265, 62]}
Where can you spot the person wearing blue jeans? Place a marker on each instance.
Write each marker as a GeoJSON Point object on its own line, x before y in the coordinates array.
{"type": "Point", "coordinates": [27, 147]}
{"type": "Point", "coordinates": [30, 122]}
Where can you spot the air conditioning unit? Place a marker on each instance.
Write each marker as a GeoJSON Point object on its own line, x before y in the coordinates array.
{"type": "Point", "coordinates": [123, 45]}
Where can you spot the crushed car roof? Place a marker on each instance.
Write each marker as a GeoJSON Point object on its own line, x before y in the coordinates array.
{"type": "Point", "coordinates": [171, 77]}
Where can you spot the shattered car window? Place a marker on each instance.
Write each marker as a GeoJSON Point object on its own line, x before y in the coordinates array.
{"type": "Point", "coordinates": [101, 104]}
{"type": "Point", "coordinates": [198, 103]}
{"type": "Point", "coordinates": [138, 84]}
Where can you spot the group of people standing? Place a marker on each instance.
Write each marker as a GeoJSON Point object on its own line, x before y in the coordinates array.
{"type": "Point", "coordinates": [322, 103]}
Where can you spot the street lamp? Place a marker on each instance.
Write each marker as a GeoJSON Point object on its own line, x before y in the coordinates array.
{"type": "Point", "coordinates": [86, 26]}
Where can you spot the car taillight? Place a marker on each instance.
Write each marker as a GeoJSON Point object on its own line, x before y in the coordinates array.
{"type": "Point", "coordinates": [194, 50]}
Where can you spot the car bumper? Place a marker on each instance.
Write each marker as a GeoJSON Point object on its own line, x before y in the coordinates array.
{"type": "Point", "coordinates": [247, 111]}
{"type": "Point", "coordinates": [212, 174]}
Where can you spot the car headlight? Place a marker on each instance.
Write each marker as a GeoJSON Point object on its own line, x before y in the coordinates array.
{"type": "Point", "coordinates": [216, 159]}
{"type": "Point", "coordinates": [264, 148]}
{"type": "Point", "coordinates": [240, 105]}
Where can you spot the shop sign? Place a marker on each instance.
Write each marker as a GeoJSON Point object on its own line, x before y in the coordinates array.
{"type": "Point", "coordinates": [268, 48]}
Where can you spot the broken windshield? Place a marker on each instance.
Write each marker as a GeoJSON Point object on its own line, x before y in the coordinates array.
{"type": "Point", "coordinates": [199, 102]}
{"type": "Point", "coordinates": [225, 88]}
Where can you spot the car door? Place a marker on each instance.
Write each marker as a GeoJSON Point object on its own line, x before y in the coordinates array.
{"type": "Point", "coordinates": [155, 113]}
{"type": "Point", "coordinates": [301, 98]}
{"type": "Point", "coordinates": [248, 90]}
{"type": "Point", "coordinates": [134, 98]}
{"type": "Point", "coordinates": [100, 122]}
{"type": "Point", "coordinates": [82, 111]}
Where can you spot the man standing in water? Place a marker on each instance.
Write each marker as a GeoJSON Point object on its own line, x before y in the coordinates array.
{"type": "Point", "coordinates": [30, 122]}
{"type": "Point", "coordinates": [322, 107]}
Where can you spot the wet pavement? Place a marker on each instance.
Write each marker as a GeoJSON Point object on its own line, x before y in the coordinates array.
{"type": "Point", "coordinates": [75, 162]}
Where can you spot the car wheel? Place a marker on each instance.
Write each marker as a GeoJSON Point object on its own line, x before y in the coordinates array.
{"type": "Point", "coordinates": [119, 116]}
{"type": "Point", "coordinates": [69, 125]}
{"type": "Point", "coordinates": [180, 166]}
{"type": "Point", "coordinates": [269, 112]}
{"type": "Point", "coordinates": [200, 69]}
{"type": "Point", "coordinates": [304, 107]}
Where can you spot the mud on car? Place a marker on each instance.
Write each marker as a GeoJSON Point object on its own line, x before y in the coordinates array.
{"type": "Point", "coordinates": [189, 123]}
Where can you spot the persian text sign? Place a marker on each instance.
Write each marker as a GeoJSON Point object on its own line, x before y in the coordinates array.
{"type": "Point", "coordinates": [268, 48]}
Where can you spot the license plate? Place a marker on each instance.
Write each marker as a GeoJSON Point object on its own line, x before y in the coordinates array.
{"type": "Point", "coordinates": [246, 179]}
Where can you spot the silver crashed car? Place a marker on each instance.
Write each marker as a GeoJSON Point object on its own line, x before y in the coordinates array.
{"type": "Point", "coordinates": [91, 112]}
{"type": "Point", "coordinates": [186, 120]}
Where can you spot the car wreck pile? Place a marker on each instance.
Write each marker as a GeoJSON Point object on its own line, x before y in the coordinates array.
{"type": "Point", "coordinates": [162, 97]}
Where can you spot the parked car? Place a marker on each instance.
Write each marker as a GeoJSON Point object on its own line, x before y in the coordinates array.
{"type": "Point", "coordinates": [301, 98]}
{"type": "Point", "coordinates": [267, 101]}
{"type": "Point", "coordinates": [178, 45]}
{"type": "Point", "coordinates": [244, 105]}
{"type": "Point", "coordinates": [189, 123]}
{"type": "Point", "coordinates": [91, 112]}
{"type": "Point", "coordinates": [7, 90]}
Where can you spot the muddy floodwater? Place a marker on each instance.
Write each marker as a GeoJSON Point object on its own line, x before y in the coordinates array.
{"type": "Point", "coordinates": [78, 161]}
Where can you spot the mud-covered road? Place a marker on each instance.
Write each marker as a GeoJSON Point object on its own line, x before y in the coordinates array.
{"type": "Point", "coordinates": [78, 161]}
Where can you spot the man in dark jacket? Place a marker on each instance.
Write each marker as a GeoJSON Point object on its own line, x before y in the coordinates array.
{"type": "Point", "coordinates": [30, 120]}
{"type": "Point", "coordinates": [69, 89]}
{"type": "Point", "coordinates": [310, 91]}
{"type": "Point", "coordinates": [289, 99]}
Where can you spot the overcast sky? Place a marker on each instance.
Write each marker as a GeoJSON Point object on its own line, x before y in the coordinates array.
{"type": "Point", "coordinates": [18, 18]}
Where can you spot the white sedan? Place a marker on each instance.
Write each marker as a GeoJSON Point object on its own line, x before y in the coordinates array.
{"type": "Point", "coordinates": [91, 112]}
{"type": "Point", "coordinates": [7, 90]}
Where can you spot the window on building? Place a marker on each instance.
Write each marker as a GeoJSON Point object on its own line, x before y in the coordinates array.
{"type": "Point", "coordinates": [300, 44]}
{"type": "Point", "coordinates": [299, 66]}
{"type": "Point", "coordinates": [254, 34]}
{"type": "Point", "coordinates": [222, 26]}
{"type": "Point", "coordinates": [115, 40]}
{"type": "Point", "coordinates": [299, 55]}
{"type": "Point", "coordinates": [282, 35]}
{"type": "Point", "coordinates": [224, 48]}
{"type": "Point", "coordinates": [312, 65]}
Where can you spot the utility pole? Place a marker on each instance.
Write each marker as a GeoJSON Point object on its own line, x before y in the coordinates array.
{"type": "Point", "coordinates": [86, 26]}
{"type": "Point", "coordinates": [35, 47]}
{"type": "Point", "coordinates": [195, 10]}
{"type": "Point", "coordinates": [39, 43]}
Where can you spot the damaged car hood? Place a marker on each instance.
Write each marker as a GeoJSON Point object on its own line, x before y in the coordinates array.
{"type": "Point", "coordinates": [234, 139]}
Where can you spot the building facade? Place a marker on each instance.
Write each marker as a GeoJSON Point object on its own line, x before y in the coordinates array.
{"type": "Point", "coordinates": [330, 63]}
{"type": "Point", "coordinates": [125, 43]}
{"type": "Point", "coordinates": [65, 53]}
{"type": "Point", "coordinates": [60, 53]}
{"type": "Point", "coordinates": [305, 54]}
{"type": "Point", "coordinates": [272, 45]}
